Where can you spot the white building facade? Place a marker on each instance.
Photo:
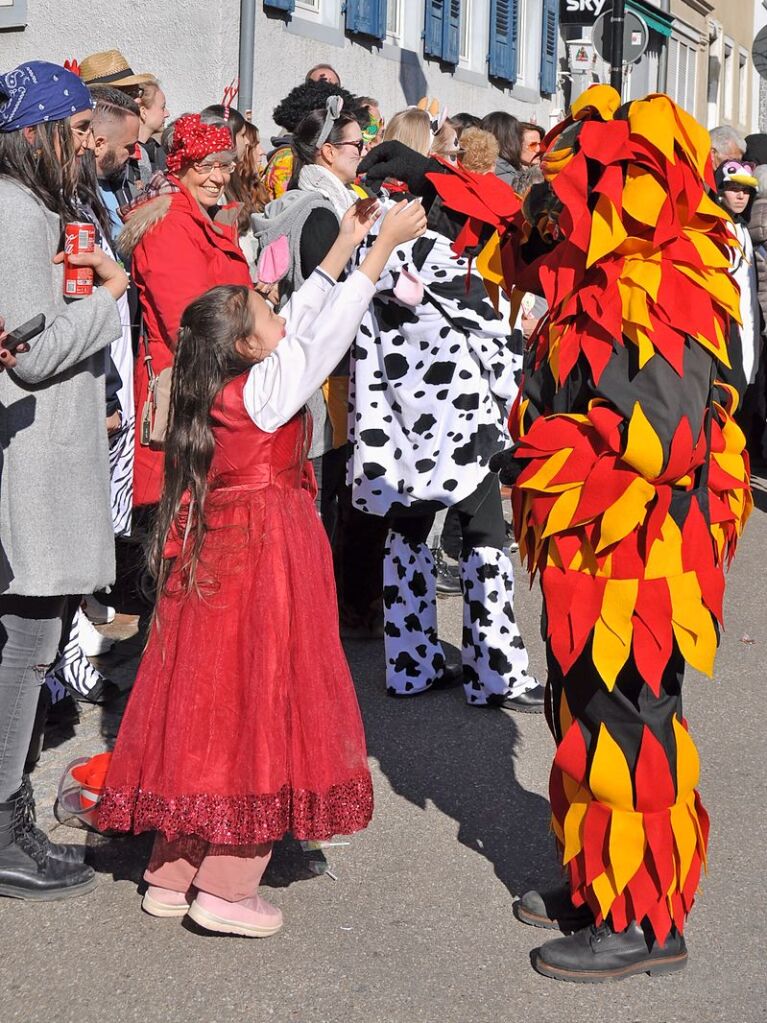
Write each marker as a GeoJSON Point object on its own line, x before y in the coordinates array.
{"type": "Point", "coordinates": [473, 55]}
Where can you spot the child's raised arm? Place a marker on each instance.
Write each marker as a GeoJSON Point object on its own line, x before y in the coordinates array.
{"type": "Point", "coordinates": [281, 384]}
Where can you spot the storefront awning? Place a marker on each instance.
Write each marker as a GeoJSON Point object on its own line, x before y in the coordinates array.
{"type": "Point", "coordinates": [656, 20]}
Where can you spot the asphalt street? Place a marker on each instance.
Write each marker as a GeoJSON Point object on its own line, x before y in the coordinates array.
{"type": "Point", "coordinates": [416, 922]}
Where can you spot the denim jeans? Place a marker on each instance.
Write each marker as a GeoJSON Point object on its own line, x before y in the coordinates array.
{"type": "Point", "coordinates": [30, 631]}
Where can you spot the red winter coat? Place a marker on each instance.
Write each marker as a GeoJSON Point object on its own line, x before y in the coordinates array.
{"type": "Point", "coordinates": [178, 253]}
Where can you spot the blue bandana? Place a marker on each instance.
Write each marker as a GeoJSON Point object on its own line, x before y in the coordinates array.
{"type": "Point", "coordinates": [37, 92]}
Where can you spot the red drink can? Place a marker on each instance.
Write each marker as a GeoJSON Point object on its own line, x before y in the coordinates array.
{"type": "Point", "coordinates": [78, 280]}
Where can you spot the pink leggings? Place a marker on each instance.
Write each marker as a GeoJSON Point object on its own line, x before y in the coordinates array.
{"type": "Point", "coordinates": [232, 872]}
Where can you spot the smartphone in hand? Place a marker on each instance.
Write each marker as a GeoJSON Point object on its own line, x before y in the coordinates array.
{"type": "Point", "coordinates": [17, 339]}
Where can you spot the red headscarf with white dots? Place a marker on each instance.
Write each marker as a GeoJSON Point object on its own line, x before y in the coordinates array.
{"type": "Point", "coordinates": [193, 141]}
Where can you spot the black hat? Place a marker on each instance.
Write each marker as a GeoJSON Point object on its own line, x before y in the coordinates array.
{"type": "Point", "coordinates": [756, 149]}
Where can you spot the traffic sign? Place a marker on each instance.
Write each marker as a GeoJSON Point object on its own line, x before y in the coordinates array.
{"type": "Point", "coordinates": [636, 36]}
{"type": "Point", "coordinates": [759, 52]}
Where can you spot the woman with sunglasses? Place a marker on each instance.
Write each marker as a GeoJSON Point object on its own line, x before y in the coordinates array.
{"type": "Point", "coordinates": [182, 242]}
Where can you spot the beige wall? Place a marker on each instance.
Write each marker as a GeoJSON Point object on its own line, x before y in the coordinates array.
{"type": "Point", "coordinates": [730, 24]}
{"type": "Point", "coordinates": [734, 24]}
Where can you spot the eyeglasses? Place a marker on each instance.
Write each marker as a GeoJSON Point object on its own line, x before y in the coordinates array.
{"type": "Point", "coordinates": [535, 146]}
{"type": "Point", "coordinates": [208, 168]}
{"type": "Point", "coordinates": [359, 145]}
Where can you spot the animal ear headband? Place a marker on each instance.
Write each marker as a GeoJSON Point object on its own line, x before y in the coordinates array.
{"type": "Point", "coordinates": [230, 94]}
{"type": "Point", "coordinates": [333, 107]}
{"type": "Point", "coordinates": [437, 114]}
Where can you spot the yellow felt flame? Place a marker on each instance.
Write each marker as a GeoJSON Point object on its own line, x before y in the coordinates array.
{"type": "Point", "coordinates": [542, 479]}
{"type": "Point", "coordinates": [644, 451]}
{"type": "Point", "coordinates": [665, 556]}
{"type": "Point", "coordinates": [643, 195]}
{"type": "Point", "coordinates": [561, 515]}
{"type": "Point", "coordinates": [685, 838]}
{"type": "Point", "coordinates": [626, 845]}
{"type": "Point", "coordinates": [602, 98]}
{"type": "Point", "coordinates": [613, 629]}
{"type": "Point", "coordinates": [655, 122]}
{"type": "Point", "coordinates": [687, 760]}
{"type": "Point", "coordinates": [605, 890]}
{"type": "Point", "coordinates": [647, 273]}
{"type": "Point", "coordinates": [610, 776]}
{"type": "Point", "coordinates": [625, 514]}
{"type": "Point", "coordinates": [692, 623]}
{"type": "Point", "coordinates": [607, 231]}
{"type": "Point", "coordinates": [573, 828]}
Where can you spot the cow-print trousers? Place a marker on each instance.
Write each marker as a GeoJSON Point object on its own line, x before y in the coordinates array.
{"type": "Point", "coordinates": [493, 653]}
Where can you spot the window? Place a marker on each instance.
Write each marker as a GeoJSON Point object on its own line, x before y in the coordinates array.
{"type": "Point", "coordinates": [504, 35]}
{"type": "Point", "coordinates": [522, 6]}
{"type": "Point", "coordinates": [742, 86]}
{"type": "Point", "coordinates": [394, 20]}
{"type": "Point", "coordinates": [728, 72]}
{"type": "Point", "coordinates": [681, 75]}
{"type": "Point", "coordinates": [366, 17]}
{"type": "Point", "coordinates": [549, 47]}
{"type": "Point", "coordinates": [442, 30]}
{"type": "Point", "coordinates": [308, 5]}
{"type": "Point", "coordinates": [465, 43]}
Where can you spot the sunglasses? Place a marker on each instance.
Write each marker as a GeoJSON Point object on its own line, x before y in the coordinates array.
{"type": "Point", "coordinates": [359, 145]}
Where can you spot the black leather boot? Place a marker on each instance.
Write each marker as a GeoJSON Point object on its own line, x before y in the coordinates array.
{"type": "Point", "coordinates": [27, 819]}
{"type": "Point", "coordinates": [27, 871]}
{"type": "Point", "coordinates": [598, 953]}
{"type": "Point", "coordinates": [552, 908]}
{"type": "Point", "coordinates": [448, 576]}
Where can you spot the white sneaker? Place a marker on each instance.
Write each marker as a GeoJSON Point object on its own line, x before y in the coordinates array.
{"type": "Point", "coordinates": [99, 614]}
{"type": "Point", "coordinates": [92, 643]}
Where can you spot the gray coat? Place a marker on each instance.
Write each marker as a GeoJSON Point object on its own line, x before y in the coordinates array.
{"type": "Point", "coordinates": [55, 522]}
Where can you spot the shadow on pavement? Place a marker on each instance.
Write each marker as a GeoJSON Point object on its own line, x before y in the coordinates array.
{"type": "Point", "coordinates": [436, 749]}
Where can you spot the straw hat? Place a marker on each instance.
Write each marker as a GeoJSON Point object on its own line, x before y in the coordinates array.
{"type": "Point", "coordinates": [110, 68]}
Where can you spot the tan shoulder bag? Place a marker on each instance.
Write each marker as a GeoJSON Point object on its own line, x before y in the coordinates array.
{"type": "Point", "coordinates": [156, 411]}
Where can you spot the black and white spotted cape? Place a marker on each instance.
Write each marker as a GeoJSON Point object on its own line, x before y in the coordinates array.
{"type": "Point", "coordinates": [429, 385]}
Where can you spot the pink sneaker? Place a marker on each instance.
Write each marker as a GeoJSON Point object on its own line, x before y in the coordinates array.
{"type": "Point", "coordinates": [164, 902]}
{"type": "Point", "coordinates": [252, 918]}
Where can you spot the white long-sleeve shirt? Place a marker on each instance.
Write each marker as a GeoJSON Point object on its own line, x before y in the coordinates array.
{"type": "Point", "coordinates": [322, 320]}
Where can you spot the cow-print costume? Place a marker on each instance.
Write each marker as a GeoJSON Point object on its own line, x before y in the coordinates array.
{"type": "Point", "coordinates": [429, 386]}
{"type": "Point", "coordinates": [435, 380]}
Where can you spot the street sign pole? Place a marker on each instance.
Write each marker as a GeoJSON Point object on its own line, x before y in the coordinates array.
{"type": "Point", "coordinates": [617, 18]}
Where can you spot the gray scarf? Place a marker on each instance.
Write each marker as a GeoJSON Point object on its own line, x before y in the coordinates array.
{"type": "Point", "coordinates": [315, 178]}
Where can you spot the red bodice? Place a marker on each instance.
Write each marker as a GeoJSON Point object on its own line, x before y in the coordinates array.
{"type": "Point", "coordinates": [246, 455]}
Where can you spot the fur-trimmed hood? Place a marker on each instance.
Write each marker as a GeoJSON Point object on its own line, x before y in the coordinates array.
{"type": "Point", "coordinates": [141, 220]}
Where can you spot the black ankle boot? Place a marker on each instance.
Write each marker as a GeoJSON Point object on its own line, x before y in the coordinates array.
{"type": "Point", "coordinates": [448, 576]}
{"type": "Point", "coordinates": [27, 871]}
{"type": "Point", "coordinates": [27, 817]}
{"type": "Point", "coordinates": [552, 908]}
{"type": "Point", "coordinates": [598, 953]}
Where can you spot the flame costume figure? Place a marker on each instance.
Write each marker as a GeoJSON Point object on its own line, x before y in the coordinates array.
{"type": "Point", "coordinates": [631, 487]}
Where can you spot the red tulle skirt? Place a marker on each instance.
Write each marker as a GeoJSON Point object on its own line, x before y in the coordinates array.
{"type": "Point", "coordinates": [243, 723]}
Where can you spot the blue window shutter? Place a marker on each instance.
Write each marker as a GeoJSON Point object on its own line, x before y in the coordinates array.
{"type": "Point", "coordinates": [281, 5]}
{"type": "Point", "coordinates": [433, 33]}
{"type": "Point", "coordinates": [549, 45]}
{"type": "Point", "coordinates": [451, 31]}
{"type": "Point", "coordinates": [366, 17]}
{"type": "Point", "coordinates": [504, 26]}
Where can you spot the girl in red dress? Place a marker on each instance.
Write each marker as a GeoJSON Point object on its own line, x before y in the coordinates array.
{"type": "Point", "coordinates": [243, 723]}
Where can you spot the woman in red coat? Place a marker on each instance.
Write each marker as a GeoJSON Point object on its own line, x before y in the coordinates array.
{"type": "Point", "coordinates": [181, 243]}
